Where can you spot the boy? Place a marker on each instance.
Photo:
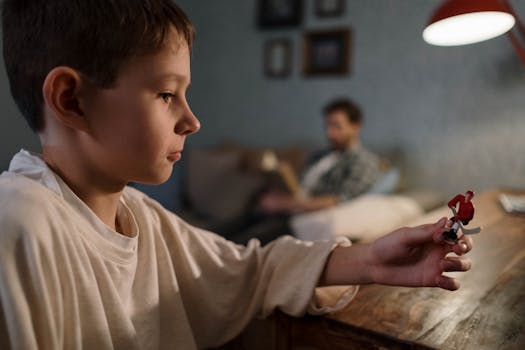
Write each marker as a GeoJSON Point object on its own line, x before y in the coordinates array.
{"type": "Point", "coordinates": [87, 262]}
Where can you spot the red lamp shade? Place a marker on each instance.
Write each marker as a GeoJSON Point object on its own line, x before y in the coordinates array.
{"type": "Point", "coordinates": [460, 22]}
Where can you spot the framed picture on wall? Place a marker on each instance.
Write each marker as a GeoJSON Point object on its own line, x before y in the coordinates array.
{"type": "Point", "coordinates": [280, 13]}
{"type": "Point", "coordinates": [329, 8]}
{"type": "Point", "coordinates": [326, 52]}
{"type": "Point", "coordinates": [278, 58]}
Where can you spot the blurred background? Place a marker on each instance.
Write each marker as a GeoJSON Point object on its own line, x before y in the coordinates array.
{"type": "Point", "coordinates": [451, 117]}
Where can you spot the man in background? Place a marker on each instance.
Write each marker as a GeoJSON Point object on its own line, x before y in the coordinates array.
{"type": "Point", "coordinates": [341, 172]}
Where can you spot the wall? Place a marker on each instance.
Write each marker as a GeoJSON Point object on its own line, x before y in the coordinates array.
{"type": "Point", "coordinates": [455, 115]}
{"type": "Point", "coordinates": [14, 132]}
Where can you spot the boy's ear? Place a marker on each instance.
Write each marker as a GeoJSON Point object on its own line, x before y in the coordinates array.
{"type": "Point", "coordinates": [62, 92]}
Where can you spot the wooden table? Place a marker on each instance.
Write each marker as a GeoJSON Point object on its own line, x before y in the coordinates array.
{"type": "Point", "coordinates": [488, 312]}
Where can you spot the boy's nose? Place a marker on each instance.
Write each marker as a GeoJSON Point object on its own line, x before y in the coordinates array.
{"type": "Point", "coordinates": [188, 124]}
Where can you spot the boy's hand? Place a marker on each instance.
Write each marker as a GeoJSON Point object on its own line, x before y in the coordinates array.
{"type": "Point", "coordinates": [418, 257]}
{"type": "Point", "coordinates": [413, 257]}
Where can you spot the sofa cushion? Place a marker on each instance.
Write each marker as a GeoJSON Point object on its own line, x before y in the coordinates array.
{"type": "Point", "coordinates": [216, 188]}
{"type": "Point", "coordinates": [364, 218]}
{"type": "Point", "coordinates": [387, 183]}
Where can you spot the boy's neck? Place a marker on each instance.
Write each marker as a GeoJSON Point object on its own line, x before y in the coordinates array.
{"type": "Point", "coordinates": [91, 188]}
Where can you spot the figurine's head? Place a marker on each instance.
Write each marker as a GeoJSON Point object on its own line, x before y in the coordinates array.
{"type": "Point", "coordinates": [469, 195]}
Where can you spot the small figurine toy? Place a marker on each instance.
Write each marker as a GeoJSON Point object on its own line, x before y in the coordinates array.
{"type": "Point", "coordinates": [462, 216]}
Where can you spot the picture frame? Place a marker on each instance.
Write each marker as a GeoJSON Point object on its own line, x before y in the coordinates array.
{"type": "Point", "coordinates": [279, 13]}
{"type": "Point", "coordinates": [278, 58]}
{"type": "Point", "coordinates": [327, 52]}
{"type": "Point", "coordinates": [329, 8]}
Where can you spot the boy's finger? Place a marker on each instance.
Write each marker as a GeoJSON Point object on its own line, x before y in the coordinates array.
{"type": "Point", "coordinates": [425, 233]}
{"type": "Point", "coordinates": [447, 283]}
{"type": "Point", "coordinates": [451, 264]}
{"type": "Point", "coordinates": [463, 246]}
{"type": "Point", "coordinates": [444, 225]}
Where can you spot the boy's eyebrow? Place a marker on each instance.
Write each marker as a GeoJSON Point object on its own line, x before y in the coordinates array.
{"type": "Point", "coordinates": [172, 76]}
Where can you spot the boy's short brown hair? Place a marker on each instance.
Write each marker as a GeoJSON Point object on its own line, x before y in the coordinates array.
{"type": "Point", "coordinates": [94, 37]}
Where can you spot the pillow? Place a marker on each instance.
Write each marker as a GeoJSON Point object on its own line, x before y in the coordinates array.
{"type": "Point", "coordinates": [387, 183]}
{"type": "Point", "coordinates": [216, 187]}
{"type": "Point", "coordinates": [364, 218]}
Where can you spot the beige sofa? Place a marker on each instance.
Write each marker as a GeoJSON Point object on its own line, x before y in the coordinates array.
{"type": "Point", "coordinates": [222, 185]}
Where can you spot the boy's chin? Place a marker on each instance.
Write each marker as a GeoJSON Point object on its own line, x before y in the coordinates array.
{"type": "Point", "coordinates": [155, 179]}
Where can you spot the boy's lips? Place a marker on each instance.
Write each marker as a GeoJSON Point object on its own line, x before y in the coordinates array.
{"type": "Point", "coordinates": [175, 156]}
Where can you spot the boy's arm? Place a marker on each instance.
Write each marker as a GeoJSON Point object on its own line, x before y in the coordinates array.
{"type": "Point", "coordinates": [220, 280]}
{"type": "Point", "coordinates": [414, 257]}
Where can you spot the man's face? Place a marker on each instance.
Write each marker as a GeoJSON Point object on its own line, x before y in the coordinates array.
{"type": "Point", "coordinates": [340, 132]}
{"type": "Point", "coordinates": [138, 126]}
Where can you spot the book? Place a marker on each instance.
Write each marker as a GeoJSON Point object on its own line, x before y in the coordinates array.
{"type": "Point", "coordinates": [283, 170]}
{"type": "Point", "coordinates": [513, 203]}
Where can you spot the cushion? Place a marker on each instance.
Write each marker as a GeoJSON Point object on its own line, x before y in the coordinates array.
{"type": "Point", "coordinates": [363, 218]}
{"type": "Point", "coordinates": [387, 183]}
{"type": "Point", "coordinates": [217, 189]}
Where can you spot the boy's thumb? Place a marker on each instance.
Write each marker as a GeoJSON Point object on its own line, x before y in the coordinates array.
{"type": "Point", "coordinates": [426, 233]}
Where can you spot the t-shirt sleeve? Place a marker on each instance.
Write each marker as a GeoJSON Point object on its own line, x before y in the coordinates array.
{"type": "Point", "coordinates": [30, 310]}
{"type": "Point", "coordinates": [225, 285]}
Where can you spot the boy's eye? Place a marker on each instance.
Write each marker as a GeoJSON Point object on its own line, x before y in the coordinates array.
{"type": "Point", "coordinates": [166, 96]}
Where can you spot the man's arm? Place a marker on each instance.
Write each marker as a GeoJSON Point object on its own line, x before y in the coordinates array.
{"type": "Point", "coordinates": [279, 202]}
{"type": "Point", "coordinates": [317, 203]}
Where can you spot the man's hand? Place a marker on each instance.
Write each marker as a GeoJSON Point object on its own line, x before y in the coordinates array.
{"type": "Point", "coordinates": [275, 202]}
{"type": "Point", "coordinates": [414, 257]}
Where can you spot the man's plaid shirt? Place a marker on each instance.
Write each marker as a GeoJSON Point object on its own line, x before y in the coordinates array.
{"type": "Point", "coordinates": [353, 174]}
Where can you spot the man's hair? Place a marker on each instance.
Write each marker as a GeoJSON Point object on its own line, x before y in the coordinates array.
{"type": "Point", "coordinates": [350, 108]}
{"type": "Point", "coordinates": [94, 37]}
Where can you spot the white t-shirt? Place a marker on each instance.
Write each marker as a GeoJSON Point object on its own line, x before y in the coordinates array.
{"type": "Point", "coordinates": [67, 281]}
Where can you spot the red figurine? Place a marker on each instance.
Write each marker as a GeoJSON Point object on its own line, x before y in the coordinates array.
{"type": "Point", "coordinates": [462, 216]}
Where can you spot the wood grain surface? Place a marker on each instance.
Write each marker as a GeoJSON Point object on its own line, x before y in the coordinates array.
{"type": "Point", "coordinates": [488, 312]}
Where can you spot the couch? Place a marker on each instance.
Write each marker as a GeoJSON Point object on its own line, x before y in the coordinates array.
{"type": "Point", "coordinates": [221, 186]}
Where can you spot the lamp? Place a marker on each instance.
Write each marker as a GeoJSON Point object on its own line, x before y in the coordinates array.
{"type": "Point", "coordinates": [461, 22]}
